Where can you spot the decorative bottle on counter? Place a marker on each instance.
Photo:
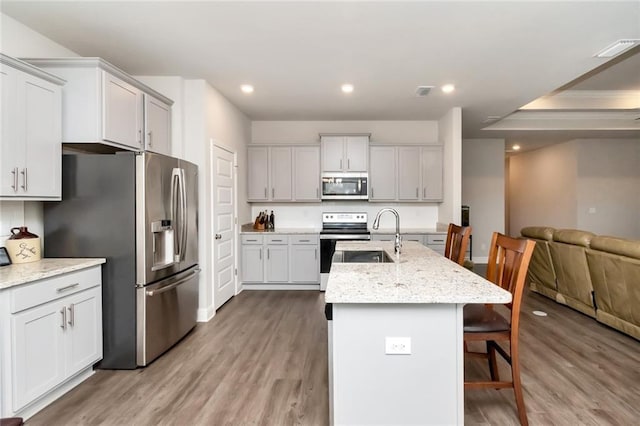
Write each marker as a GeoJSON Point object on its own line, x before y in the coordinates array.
{"type": "Point", "coordinates": [23, 246]}
{"type": "Point", "coordinates": [272, 220]}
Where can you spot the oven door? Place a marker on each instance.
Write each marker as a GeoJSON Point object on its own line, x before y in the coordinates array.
{"type": "Point", "coordinates": [344, 186]}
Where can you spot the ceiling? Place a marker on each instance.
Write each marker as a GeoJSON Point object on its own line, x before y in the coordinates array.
{"type": "Point", "coordinates": [501, 56]}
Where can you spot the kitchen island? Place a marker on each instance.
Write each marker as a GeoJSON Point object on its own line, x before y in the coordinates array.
{"type": "Point", "coordinates": [396, 339]}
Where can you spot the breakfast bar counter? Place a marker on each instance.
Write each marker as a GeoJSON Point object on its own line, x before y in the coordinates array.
{"type": "Point", "coordinates": [396, 335]}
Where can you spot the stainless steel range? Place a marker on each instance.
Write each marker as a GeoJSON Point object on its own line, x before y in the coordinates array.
{"type": "Point", "coordinates": [339, 226]}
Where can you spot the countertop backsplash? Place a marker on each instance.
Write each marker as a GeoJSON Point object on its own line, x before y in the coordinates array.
{"type": "Point", "coordinates": [299, 215]}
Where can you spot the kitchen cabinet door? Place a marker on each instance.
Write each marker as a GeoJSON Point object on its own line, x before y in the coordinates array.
{"type": "Point", "coordinates": [409, 173]}
{"type": "Point", "coordinates": [42, 174]}
{"type": "Point", "coordinates": [306, 179]}
{"type": "Point", "coordinates": [357, 153]}
{"type": "Point", "coordinates": [258, 173]}
{"type": "Point", "coordinates": [31, 136]}
{"type": "Point", "coordinates": [84, 329]}
{"type": "Point", "coordinates": [122, 109]}
{"type": "Point", "coordinates": [277, 263]}
{"type": "Point", "coordinates": [432, 173]}
{"type": "Point", "coordinates": [252, 264]}
{"type": "Point", "coordinates": [39, 351]}
{"type": "Point", "coordinates": [157, 125]}
{"type": "Point", "coordinates": [382, 175]}
{"type": "Point", "coordinates": [332, 153]}
{"type": "Point", "coordinates": [281, 173]}
{"type": "Point", "coordinates": [305, 266]}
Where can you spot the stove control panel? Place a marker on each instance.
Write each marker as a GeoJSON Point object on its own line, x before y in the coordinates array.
{"type": "Point", "coordinates": [340, 217]}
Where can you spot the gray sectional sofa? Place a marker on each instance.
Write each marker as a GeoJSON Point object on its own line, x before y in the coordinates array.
{"type": "Point", "coordinates": [596, 275]}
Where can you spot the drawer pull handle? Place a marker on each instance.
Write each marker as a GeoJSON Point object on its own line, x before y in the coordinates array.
{"type": "Point", "coordinates": [279, 241]}
{"type": "Point", "coordinates": [304, 241]}
{"type": "Point", "coordinates": [252, 240]}
{"type": "Point", "coordinates": [67, 287]}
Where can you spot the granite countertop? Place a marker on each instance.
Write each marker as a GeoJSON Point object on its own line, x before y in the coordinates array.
{"type": "Point", "coordinates": [22, 273]}
{"type": "Point", "coordinates": [420, 275]}
{"type": "Point", "coordinates": [247, 228]}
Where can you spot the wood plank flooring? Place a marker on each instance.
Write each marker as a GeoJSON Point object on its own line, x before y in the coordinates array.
{"type": "Point", "coordinates": [262, 361]}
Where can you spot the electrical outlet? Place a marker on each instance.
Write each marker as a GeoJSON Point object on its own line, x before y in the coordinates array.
{"type": "Point", "coordinates": [397, 345]}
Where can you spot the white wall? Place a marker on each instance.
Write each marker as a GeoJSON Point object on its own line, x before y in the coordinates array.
{"type": "Point", "coordinates": [483, 190]}
{"type": "Point", "coordinates": [211, 118]}
{"type": "Point", "coordinates": [18, 40]}
{"type": "Point", "coordinates": [543, 188]}
{"type": "Point", "coordinates": [450, 134]}
{"type": "Point", "coordinates": [387, 132]}
{"type": "Point", "coordinates": [608, 186]}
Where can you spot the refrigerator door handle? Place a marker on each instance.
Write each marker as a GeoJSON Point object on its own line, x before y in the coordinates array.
{"type": "Point", "coordinates": [183, 215]}
{"type": "Point", "coordinates": [175, 208]}
{"type": "Point", "coordinates": [164, 289]}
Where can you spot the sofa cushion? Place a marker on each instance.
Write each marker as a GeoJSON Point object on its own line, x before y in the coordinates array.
{"type": "Point", "coordinates": [629, 248]}
{"type": "Point", "coordinates": [538, 232]}
{"type": "Point", "coordinates": [573, 236]}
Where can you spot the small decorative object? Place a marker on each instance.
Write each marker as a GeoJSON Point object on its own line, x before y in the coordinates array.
{"type": "Point", "coordinates": [23, 246]}
{"type": "Point", "coordinates": [4, 257]}
{"type": "Point", "coordinates": [259, 223]}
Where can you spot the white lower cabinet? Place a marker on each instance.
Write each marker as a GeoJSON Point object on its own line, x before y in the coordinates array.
{"type": "Point", "coordinates": [435, 241]}
{"type": "Point", "coordinates": [51, 332]}
{"type": "Point", "coordinates": [279, 259]}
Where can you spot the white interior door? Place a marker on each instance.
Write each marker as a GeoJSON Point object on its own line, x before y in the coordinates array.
{"type": "Point", "coordinates": [223, 226]}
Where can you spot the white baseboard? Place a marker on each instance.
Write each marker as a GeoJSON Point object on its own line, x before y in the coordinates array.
{"type": "Point", "coordinates": [205, 314]}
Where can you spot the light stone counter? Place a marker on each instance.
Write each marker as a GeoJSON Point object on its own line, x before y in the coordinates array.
{"type": "Point", "coordinates": [419, 275]}
{"type": "Point", "coordinates": [248, 229]}
{"type": "Point", "coordinates": [407, 231]}
{"type": "Point", "coordinates": [22, 273]}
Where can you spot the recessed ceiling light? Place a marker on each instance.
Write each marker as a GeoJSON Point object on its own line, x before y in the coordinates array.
{"type": "Point", "coordinates": [347, 88]}
{"type": "Point", "coordinates": [448, 88]}
{"type": "Point", "coordinates": [246, 88]}
{"type": "Point", "coordinates": [616, 48]}
{"type": "Point", "coordinates": [516, 147]}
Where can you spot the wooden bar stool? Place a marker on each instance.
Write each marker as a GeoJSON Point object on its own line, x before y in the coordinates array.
{"type": "Point", "coordinates": [507, 267]}
{"type": "Point", "coordinates": [457, 243]}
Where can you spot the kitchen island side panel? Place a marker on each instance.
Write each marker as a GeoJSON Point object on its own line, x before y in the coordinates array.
{"type": "Point", "coordinates": [374, 388]}
{"type": "Point", "coordinates": [96, 218]}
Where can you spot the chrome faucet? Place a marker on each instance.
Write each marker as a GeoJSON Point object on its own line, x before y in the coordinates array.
{"type": "Point", "coordinates": [376, 224]}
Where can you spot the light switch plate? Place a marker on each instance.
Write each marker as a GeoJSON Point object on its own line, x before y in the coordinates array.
{"type": "Point", "coordinates": [397, 345]}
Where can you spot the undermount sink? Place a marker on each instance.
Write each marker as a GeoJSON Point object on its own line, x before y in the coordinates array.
{"type": "Point", "coordinates": [362, 256]}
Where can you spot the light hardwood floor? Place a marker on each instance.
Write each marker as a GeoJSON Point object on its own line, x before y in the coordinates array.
{"type": "Point", "coordinates": [262, 361]}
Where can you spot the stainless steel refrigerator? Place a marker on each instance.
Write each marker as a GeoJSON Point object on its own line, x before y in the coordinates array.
{"type": "Point", "coordinates": [139, 211]}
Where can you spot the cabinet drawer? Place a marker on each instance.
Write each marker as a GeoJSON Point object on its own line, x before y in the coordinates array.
{"type": "Point", "coordinates": [42, 291]}
{"type": "Point", "coordinates": [251, 239]}
{"type": "Point", "coordinates": [277, 239]}
{"type": "Point", "coordinates": [435, 239]}
{"type": "Point", "coordinates": [304, 239]}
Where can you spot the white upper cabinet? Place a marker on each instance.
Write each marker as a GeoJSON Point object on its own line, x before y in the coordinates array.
{"type": "Point", "coordinates": [157, 125]}
{"type": "Point", "coordinates": [280, 166]}
{"type": "Point", "coordinates": [432, 173]}
{"type": "Point", "coordinates": [306, 178]}
{"type": "Point", "coordinates": [405, 173]}
{"type": "Point", "coordinates": [122, 112]}
{"type": "Point", "coordinates": [283, 173]}
{"type": "Point", "coordinates": [345, 153]}
{"type": "Point", "coordinates": [258, 173]}
{"type": "Point", "coordinates": [382, 173]}
{"type": "Point", "coordinates": [409, 173]}
{"type": "Point", "coordinates": [30, 164]}
{"type": "Point", "coordinates": [103, 104]}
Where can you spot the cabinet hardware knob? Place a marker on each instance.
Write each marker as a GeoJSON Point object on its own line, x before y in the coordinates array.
{"type": "Point", "coordinates": [218, 236]}
{"type": "Point", "coordinates": [149, 134]}
{"type": "Point", "coordinates": [14, 172]}
{"type": "Point", "coordinates": [72, 314]}
{"type": "Point", "coordinates": [24, 179]}
{"type": "Point", "coordinates": [67, 287]}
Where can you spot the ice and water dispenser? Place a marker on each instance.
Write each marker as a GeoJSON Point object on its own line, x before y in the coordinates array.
{"type": "Point", "coordinates": [163, 244]}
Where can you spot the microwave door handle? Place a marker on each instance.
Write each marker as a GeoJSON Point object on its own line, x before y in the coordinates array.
{"type": "Point", "coordinates": [175, 207]}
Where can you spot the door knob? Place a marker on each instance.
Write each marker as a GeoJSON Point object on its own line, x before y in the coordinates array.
{"type": "Point", "coordinates": [218, 236]}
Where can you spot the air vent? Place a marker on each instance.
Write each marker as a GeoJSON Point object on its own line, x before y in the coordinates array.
{"type": "Point", "coordinates": [617, 48]}
{"type": "Point", "coordinates": [423, 90]}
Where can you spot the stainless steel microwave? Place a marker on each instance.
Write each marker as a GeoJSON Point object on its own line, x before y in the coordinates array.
{"type": "Point", "coordinates": [344, 186]}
